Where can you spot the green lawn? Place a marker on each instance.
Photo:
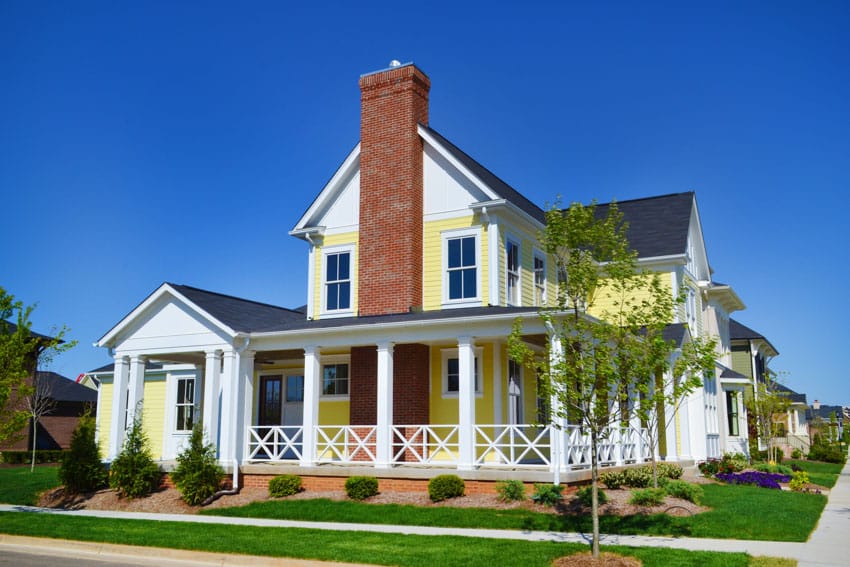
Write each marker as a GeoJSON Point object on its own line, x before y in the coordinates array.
{"type": "Point", "coordinates": [357, 547]}
{"type": "Point", "coordinates": [738, 512]}
{"type": "Point", "coordinates": [20, 486]}
{"type": "Point", "coordinates": [822, 474]}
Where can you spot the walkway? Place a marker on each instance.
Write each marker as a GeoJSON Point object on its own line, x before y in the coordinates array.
{"type": "Point", "coordinates": [829, 545]}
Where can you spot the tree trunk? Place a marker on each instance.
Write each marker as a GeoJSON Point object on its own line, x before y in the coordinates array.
{"type": "Point", "coordinates": [34, 441]}
{"type": "Point", "coordinates": [594, 479]}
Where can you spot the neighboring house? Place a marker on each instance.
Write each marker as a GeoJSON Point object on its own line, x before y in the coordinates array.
{"type": "Point", "coordinates": [70, 401]}
{"type": "Point", "coordinates": [419, 262]}
{"type": "Point", "coordinates": [793, 429]}
{"type": "Point", "coordinates": [829, 420]}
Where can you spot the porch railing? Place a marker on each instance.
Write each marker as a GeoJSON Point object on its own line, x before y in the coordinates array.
{"type": "Point", "coordinates": [524, 446]}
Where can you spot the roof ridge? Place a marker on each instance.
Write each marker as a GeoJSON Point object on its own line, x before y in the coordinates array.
{"type": "Point", "coordinates": [219, 294]}
{"type": "Point", "coordinates": [650, 198]}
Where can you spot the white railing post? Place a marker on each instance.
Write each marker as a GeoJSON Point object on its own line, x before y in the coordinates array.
{"type": "Point", "coordinates": [384, 434]}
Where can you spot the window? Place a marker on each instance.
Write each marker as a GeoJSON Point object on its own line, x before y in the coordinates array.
{"type": "Point", "coordinates": [338, 281]}
{"type": "Point", "coordinates": [691, 312]}
{"type": "Point", "coordinates": [335, 380]}
{"type": "Point", "coordinates": [732, 412]}
{"type": "Point", "coordinates": [512, 296]}
{"type": "Point", "coordinates": [185, 404]}
{"type": "Point", "coordinates": [461, 261]}
{"type": "Point", "coordinates": [539, 280]}
{"type": "Point", "coordinates": [451, 372]}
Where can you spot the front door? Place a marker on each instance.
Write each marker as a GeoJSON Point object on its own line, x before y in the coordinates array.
{"type": "Point", "coordinates": [270, 399]}
{"type": "Point", "coordinates": [293, 408]}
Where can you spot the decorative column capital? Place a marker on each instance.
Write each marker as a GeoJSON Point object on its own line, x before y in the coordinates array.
{"type": "Point", "coordinates": [465, 341]}
{"type": "Point", "coordinates": [311, 350]}
{"type": "Point", "coordinates": [386, 346]}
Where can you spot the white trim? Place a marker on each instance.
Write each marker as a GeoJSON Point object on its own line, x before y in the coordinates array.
{"type": "Point", "coordinates": [536, 254]}
{"type": "Point", "coordinates": [311, 281]}
{"type": "Point", "coordinates": [452, 234]}
{"type": "Point", "coordinates": [510, 239]}
{"type": "Point", "coordinates": [493, 230]}
{"type": "Point", "coordinates": [445, 355]}
{"type": "Point", "coordinates": [329, 191]}
{"type": "Point", "coordinates": [334, 250]}
{"type": "Point", "coordinates": [334, 359]}
{"type": "Point", "coordinates": [455, 163]}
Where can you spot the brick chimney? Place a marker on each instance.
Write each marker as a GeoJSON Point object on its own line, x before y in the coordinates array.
{"type": "Point", "coordinates": [393, 102]}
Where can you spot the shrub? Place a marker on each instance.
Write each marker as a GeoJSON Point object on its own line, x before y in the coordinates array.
{"type": "Point", "coordinates": [647, 497]}
{"type": "Point", "coordinates": [709, 468]}
{"type": "Point", "coordinates": [733, 462]}
{"type": "Point", "coordinates": [81, 469]}
{"type": "Point", "coordinates": [445, 486]}
{"type": "Point", "coordinates": [285, 485]}
{"type": "Point", "coordinates": [827, 454]}
{"type": "Point", "coordinates": [361, 487]}
{"type": "Point", "coordinates": [613, 479]}
{"type": "Point", "coordinates": [668, 470]}
{"type": "Point", "coordinates": [25, 457]}
{"type": "Point", "coordinates": [134, 473]}
{"type": "Point", "coordinates": [197, 475]}
{"type": "Point", "coordinates": [685, 491]}
{"type": "Point", "coordinates": [767, 467]}
{"type": "Point", "coordinates": [585, 496]}
{"type": "Point", "coordinates": [796, 454]}
{"type": "Point", "coordinates": [638, 477]}
{"type": "Point", "coordinates": [799, 481]}
{"type": "Point", "coordinates": [547, 494]}
{"type": "Point", "coordinates": [511, 490]}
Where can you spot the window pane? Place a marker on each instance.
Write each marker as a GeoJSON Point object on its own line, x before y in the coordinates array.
{"type": "Point", "coordinates": [512, 256]}
{"type": "Point", "coordinates": [468, 251]}
{"type": "Point", "coordinates": [181, 418]}
{"type": "Point", "coordinates": [190, 391]}
{"type": "Point", "coordinates": [344, 296]}
{"type": "Point", "coordinates": [344, 261]}
{"type": "Point", "coordinates": [181, 391]}
{"type": "Point", "coordinates": [332, 268]}
{"type": "Point", "coordinates": [454, 253]}
{"type": "Point", "coordinates": [456, 284]}
{"type": "Point", "coordinates": [333, 296]}
{"type": "Point", "coordinates": [469, 283]}
{"type": "Point", "coordinates": [294, 388]}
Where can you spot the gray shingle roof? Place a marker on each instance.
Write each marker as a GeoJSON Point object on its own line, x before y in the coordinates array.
{"type": "Point", "coordinates": [106, 368]}
{"type": "Point", "coordinates": [789, 393]}
{"type": "Point", "coordinates": [740, 332]}
{"type": "Point", "coordinates": [65, 390]}
{"type": "Point", "coordinates": [675, 332]}
{"type": "Point", "coordinates": [658, 226]}
{"type": "Point", "coordinates": [726, 372]}
{"type": "Point", "coordinates": [504, 190]}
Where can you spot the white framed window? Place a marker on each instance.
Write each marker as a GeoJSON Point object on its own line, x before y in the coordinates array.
{"type": "Point", "coordinates": [461, 261]}
{"type": "Point", "coordinates": [335, 377]}
{"type": "Point", "coordinates": [451, 372]}
{"type": "Point", "coordinates": [691, 312]}
{"type": "Point", "coordinates": [337, 271]}
{"type": "Point", "coordinates": [184, 405]}
{"type": "Point", "coordinates": [512, 272]}
{"type": "Point", "coordinates": [539, 279]}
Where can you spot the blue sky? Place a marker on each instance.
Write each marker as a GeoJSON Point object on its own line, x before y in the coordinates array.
{"type": "Point", "coordinates": [180, 141]}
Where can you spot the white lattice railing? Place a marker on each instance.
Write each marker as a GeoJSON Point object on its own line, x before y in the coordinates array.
{"type": "Point", "coordinates": [345, 443]}
{"type": "Point", "coordinates": [425, 444]}
{"type": "Point", "coordinates": [513, 445]}
{"type": "Point", "coordinates": [275, 443]}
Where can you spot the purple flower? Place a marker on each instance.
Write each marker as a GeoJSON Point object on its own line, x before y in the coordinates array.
{"type": "Point", "coordinates": [755, 478]}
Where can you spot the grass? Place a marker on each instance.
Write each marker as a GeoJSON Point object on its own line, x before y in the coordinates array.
{"type": "Point", "coordinates": [822, 474]}
{"type": "Point", "coordinates": [355, 547]}
{"type": "Point", "coordinates": [738, 512]}
{"type": "Point", "coordinates": [20, 486]}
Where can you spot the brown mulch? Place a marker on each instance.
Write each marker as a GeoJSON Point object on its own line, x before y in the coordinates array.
{"type": "Point", "coordinates": [606, 559]}
{"type": "Point", "coordinates": [168, 501]}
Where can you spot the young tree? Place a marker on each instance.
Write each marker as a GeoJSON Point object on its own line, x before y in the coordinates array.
{"type": "Point", "coordinates": [766, 404]}
{"type": "Point", "coordinates": [606, 330]}
{"type": "Point", "coordinates": [197, 475]}
{"type": "Point", "coordinates": [39, 403]}
{"type": "Point", "coordinates": [81, 469]}
{"type": "Point", "coordinates": [134, 473]}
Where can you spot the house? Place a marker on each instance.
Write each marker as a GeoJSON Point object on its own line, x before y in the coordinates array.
{"type": "Point", "coordinates": [420, 260]}
{"type": "Point", "coordinates": [826, 419]}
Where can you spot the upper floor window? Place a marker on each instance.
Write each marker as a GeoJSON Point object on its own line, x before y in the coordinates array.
{"type": "Point", "coordinates": [461, 261]}
{"type": "Point", "coordinates": [691, 312]}
{"type": "Point", "coordinates": [539, 279]}
{"type": "Point", "coordinates": [185, 404]}
{"type": "Point", "coordinates": [512, 293]}
{"type": "Point", "coordinates": [337, 284]}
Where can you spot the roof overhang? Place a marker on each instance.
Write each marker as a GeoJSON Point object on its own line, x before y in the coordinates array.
{"type": "Point", "coordinates": [725, 296]}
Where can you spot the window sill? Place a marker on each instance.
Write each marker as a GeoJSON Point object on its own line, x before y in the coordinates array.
{"type": "Point", "coordinates": [334, 314]}
{"type": "Point", "coordinates": [460, 303]}
{"type": "Point", "coordinates": [454, 395]}
{"type": "Point", "coordinates": [334, 398]}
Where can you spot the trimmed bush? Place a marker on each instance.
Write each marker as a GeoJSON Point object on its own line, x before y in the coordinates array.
{"type": "Point", "coordinates": [799, 481]}
{"type": "Point", "coordinates": [827, 454]}
{"type": "Point", "coordinates": [285, 485]}
{"type": "Point", "coordinates": [197, 475]}
{"type": "Point", "coordinates": [361, 487]}
{"type": "Point", "coordinates": [613, 479]}
{"type": "Point", "coordinates": [796, 454]}
{"type": "Point", "coordinates": [445, 486]}
{"type": "Point", "coordinates": [685, 491]}
{"type": "Point", "coordinates": [42, 456]}
{"type": "Point", "coordinates": [585, 496]}
{"type": "Point", "coordinates": [134, 473]}
{"type": "Point", "coordinates": [547, 494]}
{"type": "Point", "coordinates": [81, 469]}
{"type": "Point", "coordinates": [638, 477]}
{"type": "Point", "coordinates": [668, 470]}
{"type": "Point", "coordinates": [511, 490]}
{"type": "Point", "coordinates": [648, 497]}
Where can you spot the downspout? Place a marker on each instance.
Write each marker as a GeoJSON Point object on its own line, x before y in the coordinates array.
{"type": "Point", "coordinates": [234, 485]}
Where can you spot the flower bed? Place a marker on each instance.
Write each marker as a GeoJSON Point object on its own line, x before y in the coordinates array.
{"type": "Point", "coordinates": [755, 478]}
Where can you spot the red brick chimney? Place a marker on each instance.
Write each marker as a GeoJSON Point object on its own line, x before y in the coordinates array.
{"type": "Point", "coordinates": [393, 102]}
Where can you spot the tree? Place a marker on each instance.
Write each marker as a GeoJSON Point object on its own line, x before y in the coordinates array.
{"type": "Point", "coordinates": [133, 473]}
{"type": "Point", "coordinates": [39, 403]}
{"type": "Point", "coordinates": [607, 340]}
{"type": "Point", "coordinates": [21, 352]}
{"type": "Point", "coordinates": [82, 469]}
{"type": "Point", "coordinates": [197, 475]}
{"type": "Point", "coordinates": [766, 404]}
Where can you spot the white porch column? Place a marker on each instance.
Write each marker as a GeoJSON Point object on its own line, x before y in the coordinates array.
{"type": "Point", "coordinates": [498, 379]}
{"type": "Point", "coordinates": [384, 433]}
{"type": "Point", "coordinates": [312, 376]}
{"type": "Point", "coordinates": [136, 388]}
{"type": "Point", "coordinates": [466, 403]}
{"type": "Point", "coordinates": [561, 456]}
{"type": "Point", "coordinates": [229, 406]}
{"type": "Point", "coordinates": [246, 413]}
{"type": "Point", "coordinates": [212, 390]}
{"type": "Point", "coordinates": [673, 422]}
{"type": "Point", "coordinates": [119, 405]}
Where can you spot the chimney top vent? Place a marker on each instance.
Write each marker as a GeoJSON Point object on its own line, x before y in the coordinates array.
{"type": "Point", "coordinates": [395, 63]}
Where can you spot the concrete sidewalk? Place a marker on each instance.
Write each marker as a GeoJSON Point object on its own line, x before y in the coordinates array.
{"type": "Point", "coordinates": [829, 545]}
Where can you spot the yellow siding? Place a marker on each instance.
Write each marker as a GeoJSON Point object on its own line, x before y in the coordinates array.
{"type": "Point", "coordinates": [334, 413]}
{"type": "Point", "coordinates": [432, 251]}
{"type": "Point", "coordinates": [104, 411]}
{"type": "Point", "coordinates": [445, 410]}
{"type": "Point", "coordinates": [348, 238]}
{"type": "Point", "coordinates": [153, 415]}
{"type": "Point", "coordinates": [605, 304]}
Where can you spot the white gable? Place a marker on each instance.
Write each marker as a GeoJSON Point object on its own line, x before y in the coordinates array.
{"type": "Point", "coordinates": [343, 212]}
{"type": "Point", "coordinates": [446, 189]}
{"type": "Point", "coordinates": [697, 256]}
